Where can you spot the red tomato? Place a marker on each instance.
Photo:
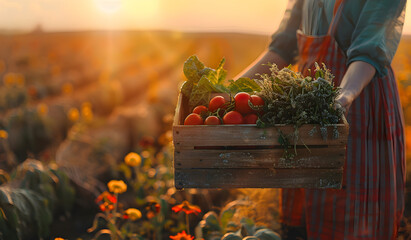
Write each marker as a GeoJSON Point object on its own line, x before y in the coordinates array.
{"type": "Point", "coordinates": [241, 103]}
{"type": "Point", "coordinates": [251, 118]}
{"type": "Point", "coordinates": [233, 117]}
{"type": "Point", "coordinates": [200, 109]}
{"type": "Point", "coordinates": [193, 119]}
{"type": "Point", "coordinates": [212, 120]}
{"type": "Point", "coordinates": [257, 101]}
{"type": "Point", "coordinates": [216, 103]}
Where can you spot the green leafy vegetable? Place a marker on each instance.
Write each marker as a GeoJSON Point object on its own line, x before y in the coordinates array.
{"type": "Point", "coordinates": [292, 98]}
{"type": "Point", "coordinates": [244, 85]}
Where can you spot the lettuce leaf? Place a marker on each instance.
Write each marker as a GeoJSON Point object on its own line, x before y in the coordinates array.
{"type": "Point", "coordinates": [243, 85]}
{"type": "Point", "coordinates": [192, 69]}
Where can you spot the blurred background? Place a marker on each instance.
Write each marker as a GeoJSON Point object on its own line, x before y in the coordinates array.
{"type": "Point", "coordinates": [84, 82]}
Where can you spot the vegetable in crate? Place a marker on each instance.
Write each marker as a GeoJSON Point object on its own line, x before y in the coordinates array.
{"type": "Point", "coordinates": [201, 81]}
{"type": "Point", "coordinates": [292, 98]}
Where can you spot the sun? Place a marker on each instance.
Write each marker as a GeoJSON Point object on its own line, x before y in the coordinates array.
{"type": "Point", "coordinates": [109, 6]}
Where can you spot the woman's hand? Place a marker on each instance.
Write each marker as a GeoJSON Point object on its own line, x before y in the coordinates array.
{"type": "Point", "coordinates": [345, 100]}
{"type": "Point", "coordinates": [356, 78]}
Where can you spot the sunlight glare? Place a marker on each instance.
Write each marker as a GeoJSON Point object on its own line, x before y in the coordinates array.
{"type": "Point", "coordinates": [109, 6]}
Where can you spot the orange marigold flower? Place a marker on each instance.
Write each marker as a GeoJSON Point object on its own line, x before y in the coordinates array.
{"type": "Point", "coordinates": [117, 186]}
{"type": "Point", "coordinates": [19, 79]}
{"type": "Point", "coordinates": [106, 206]}
{"type": "Point", "coordinates": [133, 214]}
{"type": "Point", "coordinates": [67, 88]}
{"type": "Point", "coordinates": [150, 214]}
{"type": "Point", "coordinates": [4, 134]}
{"type": "Point", "coordinates": [106, 197]}
{"type": "Point", "coordinates": [182, 236]}
{"type": "Point", "coordinates": [187, 208]}
{"type": "Point", "coordinates": [73, 114]}
{"type": "Point", "coordinates": [132, 159]}
{"type": "Point", "coordinates": [42, 109]}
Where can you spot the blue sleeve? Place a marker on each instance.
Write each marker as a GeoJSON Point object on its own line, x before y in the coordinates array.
{"type": "Point", "coordinates": [284, 40]}
{"type": "Point", "coordinates": [377, 33]}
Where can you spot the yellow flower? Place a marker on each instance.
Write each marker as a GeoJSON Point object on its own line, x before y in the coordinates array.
{"type": "Point", "coordinates": [132, 159]}
{"type": "Point", "coordinates": [145, 154]}
{"type": "Point", "coordinates": [4, 134]}
{"type": "Point", "coordinates": [19, 79]}
{"type": "Point", "coordinates": [86, 111]}
{"type": "Point", "coordinates": [133, 214]}
{"type": "Point", "coordinates": [67, 88]}
{"type": "Point", "coordinates": [117, 186]}
{"type": "Point", "coordinates": [86, 105]}
{"type": "Point", "coordinates": [73, 114]}
{"type": "Point", "coordinates": [42, 109]}
{"type": "Point", "coordinates": [9, 79]}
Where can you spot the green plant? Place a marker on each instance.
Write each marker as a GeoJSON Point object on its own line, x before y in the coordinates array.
{"type": "Point", "coordinates": [291, 98]}
{"type": "Point", "coordinates": [29, 132]}
{"type": "Point", "coordinates": [23, 214]}
{"type": "Point", "coordinates": [28, 202]}
{"type": "Point", "coordinates": [294, 99]}
{"type": "Point", "coordinates": [215, 226]}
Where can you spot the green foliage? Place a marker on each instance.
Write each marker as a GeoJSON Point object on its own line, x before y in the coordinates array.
{"type": "Point", "coordinates": [28, 210]}
{"type": "Point", "coordinates": [294, 99]}
{"type": "Point", "coordinates": [232, 236]}
{"type": "Point", "coordinates": [50, 182]}
{"type": "Point", "coordinates": [23, 214]}
{"type": "Point", "coordinates": [201, 81]}
{"type": "Point", "coordinates": [243, 85]}
{"type": "Point", "coordinates": [214, 226]}
{"type": "Point", "coordinates": [12, 97]}
{"type": "Point", "coordinates": [29, 132]}
{"type": "Point", "coordinates": [266, 234]}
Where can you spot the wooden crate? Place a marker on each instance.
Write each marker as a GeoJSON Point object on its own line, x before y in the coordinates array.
{"type": "Point", "coordinates": [244, 156]}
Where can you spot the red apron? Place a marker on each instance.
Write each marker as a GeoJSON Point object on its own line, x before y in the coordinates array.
{"type": "Point", "coordinates": [371, 203]}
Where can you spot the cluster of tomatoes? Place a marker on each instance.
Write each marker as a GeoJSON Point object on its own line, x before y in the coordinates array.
{"type": "Point", "coordinates": [220, 111]}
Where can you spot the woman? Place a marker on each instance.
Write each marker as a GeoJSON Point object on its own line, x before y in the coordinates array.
{"type": "Point", "coordinates": [356, 39]}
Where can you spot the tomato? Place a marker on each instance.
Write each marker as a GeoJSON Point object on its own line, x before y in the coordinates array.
{"type": "Point", "coordinates": [257, 101]}
{"type": "Point", "coordinates": [193, 119]}
{"type": "Point", "coordinates": [200, 109]}
{"type": "Point", "coordinates": [212, 120]}
{"type": "Point", "coordinates": [233, 117]}
{"type": "Point", "coordinates": [216, 103]}
{"type": "Point", "coordinates": [241, 103]}
{"type": "Point", "coordinates": [251, 118]}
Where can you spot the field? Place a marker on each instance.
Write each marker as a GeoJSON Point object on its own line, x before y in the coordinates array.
{"type": "Point", "coordinates": [73, 105]}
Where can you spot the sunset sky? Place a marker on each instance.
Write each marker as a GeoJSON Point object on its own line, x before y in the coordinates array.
{"type": "Point", "coordinates": [257, 16]}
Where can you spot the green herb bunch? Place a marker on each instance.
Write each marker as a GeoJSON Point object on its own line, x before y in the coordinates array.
{"type": "Point", "coordinates": [292, 98]}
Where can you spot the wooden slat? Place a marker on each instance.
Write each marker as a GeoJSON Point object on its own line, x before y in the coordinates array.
{"type": "Point", "coordinates": [258, 178]}
{"type": "Point", "coordinates": [246, 135]}
{"type": "Point", "coordinates": [177, 113]}
{"type": "Point", "coordinates": [332, 157]}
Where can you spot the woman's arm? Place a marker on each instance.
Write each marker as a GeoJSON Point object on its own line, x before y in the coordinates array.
{"type": "Point", "coordinates": [259, 65]}
{"type": "Point", "coordinates": [283, 47]}
{"type": "Point", "coordinates": [356, 78]}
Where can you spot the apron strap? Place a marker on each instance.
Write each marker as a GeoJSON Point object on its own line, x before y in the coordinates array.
{"type": "Point", "coordinates": [338, 7]}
